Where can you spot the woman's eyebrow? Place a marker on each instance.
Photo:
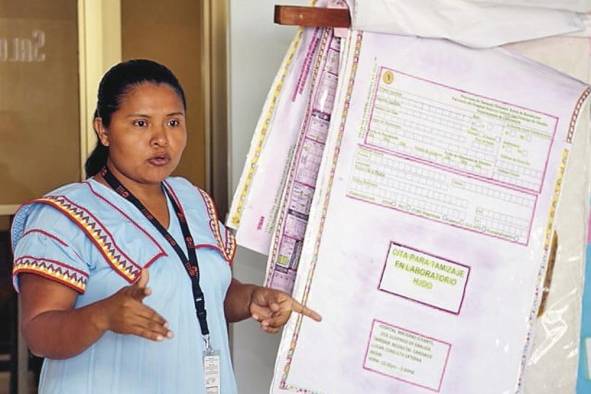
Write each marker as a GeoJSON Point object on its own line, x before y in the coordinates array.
{"type": "Point", "coordinates": [137, 114]}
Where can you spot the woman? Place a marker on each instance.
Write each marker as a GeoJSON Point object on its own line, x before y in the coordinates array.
{"type": "Point", "coordinates": [125, 278]}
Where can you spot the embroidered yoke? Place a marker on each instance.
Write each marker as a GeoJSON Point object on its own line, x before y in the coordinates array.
{"type": "Point", "coordinates": [87, 237]}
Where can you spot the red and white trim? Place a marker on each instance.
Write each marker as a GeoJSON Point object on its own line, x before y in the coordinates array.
{"type": "Point", "coordinates": [99, 235]}
{"type": "Point", "coordinates": [51, 269]}
{"type": "Point", "coordinates": [227, 246]}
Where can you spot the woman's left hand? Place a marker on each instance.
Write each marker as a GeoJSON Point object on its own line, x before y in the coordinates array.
{"type": "Point", "coordinates": [272, 308]}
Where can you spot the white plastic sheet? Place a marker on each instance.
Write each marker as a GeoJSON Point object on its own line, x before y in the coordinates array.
{"type": "Point", "coordinates": [552, 361]}
{"type": "Point", "coordinates": [569, 5]}
{"type": "Point", "coordinates": [472, 23]}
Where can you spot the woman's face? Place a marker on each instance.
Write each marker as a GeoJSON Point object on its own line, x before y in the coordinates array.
{"type": "Point", "coordinates": [147, 134]}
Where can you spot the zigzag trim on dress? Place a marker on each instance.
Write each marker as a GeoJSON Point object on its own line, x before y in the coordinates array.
{"type": "Point", "coordinates": [228, 248]}
{"type": "Point", "coordinates": [97, 233]}
{"type": "Point", "coordinates": [53, 270]}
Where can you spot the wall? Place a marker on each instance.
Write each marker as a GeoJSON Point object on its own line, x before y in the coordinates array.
{"type": "Point", "coordinates": [39, 98]}
{"type": "Point", "coordinates": [257, 47]}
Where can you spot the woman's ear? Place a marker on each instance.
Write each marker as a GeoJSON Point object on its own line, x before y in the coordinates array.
{"type": "Point", "coordinates": [101, 131]}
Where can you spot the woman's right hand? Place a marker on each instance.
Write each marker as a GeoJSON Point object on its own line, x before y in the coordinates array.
{"type": "Point", "coordinates": [125, 313]}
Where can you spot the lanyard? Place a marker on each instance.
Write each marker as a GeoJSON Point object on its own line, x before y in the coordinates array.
{"type": "Point", "coordinates": [191, 263]}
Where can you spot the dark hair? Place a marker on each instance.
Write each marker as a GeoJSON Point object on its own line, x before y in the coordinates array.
{"type": "Point", "coordinates": [116, 83]}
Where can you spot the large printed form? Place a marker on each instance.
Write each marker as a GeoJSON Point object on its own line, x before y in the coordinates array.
{"type": "Point", "coordinates": [432, 220]}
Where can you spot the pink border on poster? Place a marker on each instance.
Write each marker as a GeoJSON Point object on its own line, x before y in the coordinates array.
{"type": "Point", "coordinates": [414, 333]}
{"type": "Point", "coordinates": [455, 170]}
{"type": "Point", "coordinates": [422, 302]}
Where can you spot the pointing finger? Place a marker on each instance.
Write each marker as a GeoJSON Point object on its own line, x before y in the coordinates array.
{"type": "Point", "coordinates": [299, 308]}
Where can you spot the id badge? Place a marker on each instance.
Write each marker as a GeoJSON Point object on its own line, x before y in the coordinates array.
{"type": "Point", "coordinates": [211, 371]}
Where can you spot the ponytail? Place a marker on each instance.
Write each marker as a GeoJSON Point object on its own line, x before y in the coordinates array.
{"type": "Point", "coordinates": [97, 160]}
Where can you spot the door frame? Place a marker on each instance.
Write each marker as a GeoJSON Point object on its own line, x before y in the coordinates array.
{"type": "Point", "coordinates": [99, 45]}
{"type": "Point", "coordinates": [100, 27]}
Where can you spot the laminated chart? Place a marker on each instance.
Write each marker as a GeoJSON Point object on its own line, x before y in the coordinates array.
{"type": "Point", "coordinates": [256, 201]}
{"type": "Point", "coordinates": [301, 180]}
{"type": "Point", "coordinates": [430, 228]}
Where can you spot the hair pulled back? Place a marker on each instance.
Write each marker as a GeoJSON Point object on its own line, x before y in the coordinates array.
{"type": "Point", "coordinates": [114, 85]}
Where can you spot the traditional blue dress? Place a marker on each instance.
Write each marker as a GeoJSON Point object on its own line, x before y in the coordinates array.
{"type": "Point", "coordinates": [87, 237]}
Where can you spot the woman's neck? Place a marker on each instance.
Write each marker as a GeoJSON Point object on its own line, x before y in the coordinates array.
{"type": "Point", "coordinates": [150, 195]}
{"type": "Point", "coordinates": [145, 192]}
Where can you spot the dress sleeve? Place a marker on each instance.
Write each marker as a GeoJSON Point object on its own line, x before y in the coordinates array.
{"type": "Point", "coordinates": [53, 247]}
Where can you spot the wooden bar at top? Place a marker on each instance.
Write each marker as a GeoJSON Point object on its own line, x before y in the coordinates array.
{"type": "Point", "coordinates": [312, 16]}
